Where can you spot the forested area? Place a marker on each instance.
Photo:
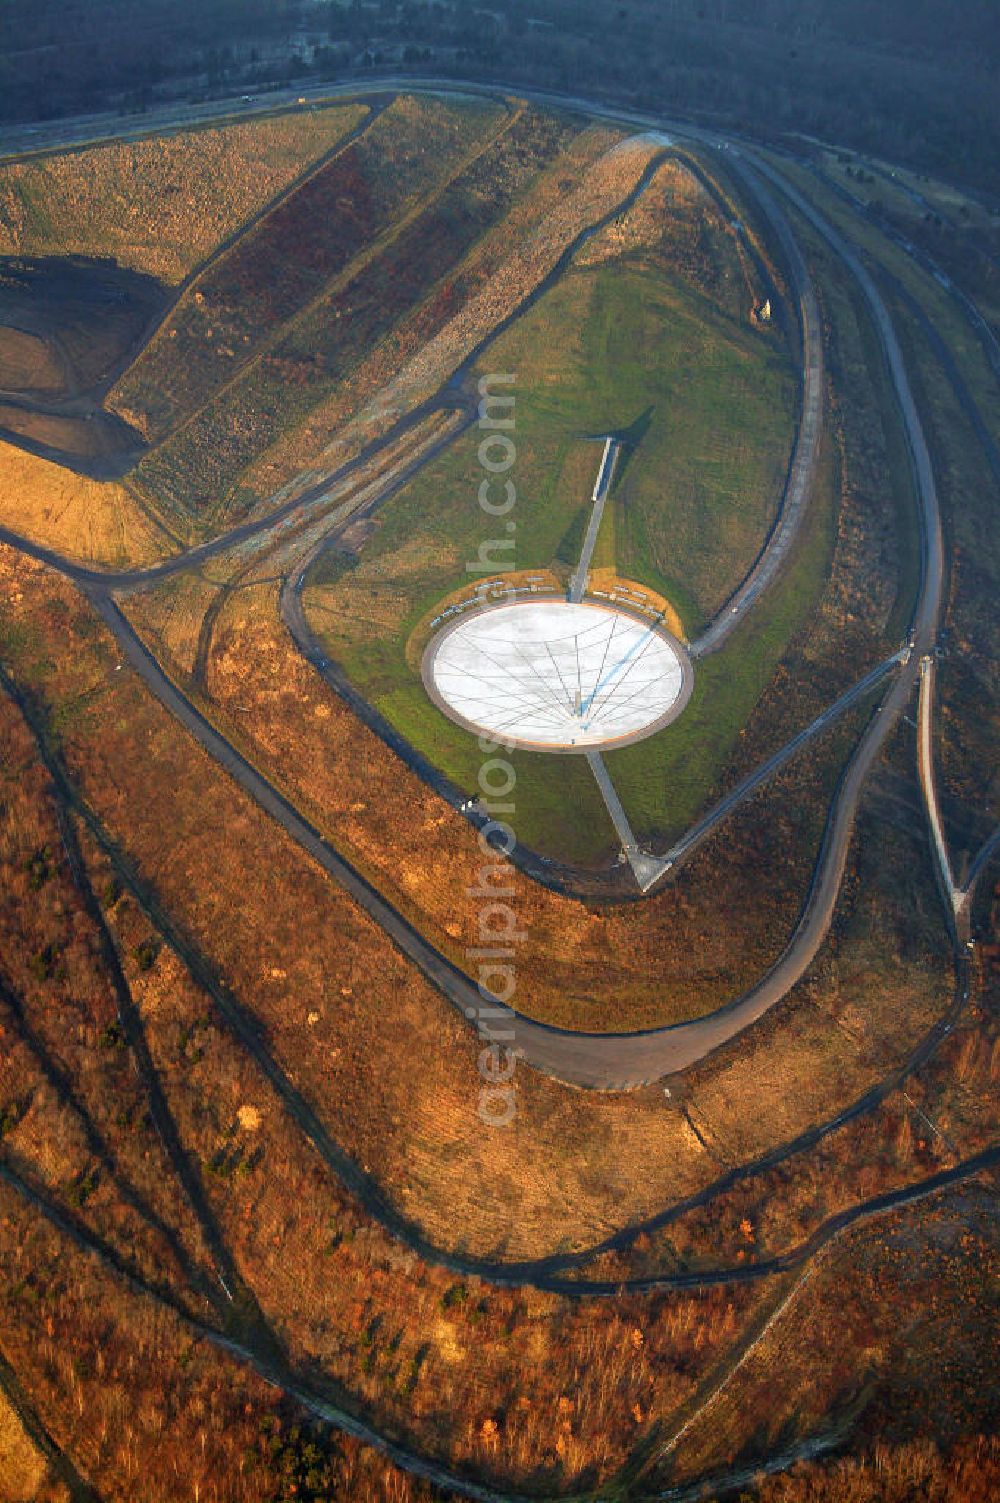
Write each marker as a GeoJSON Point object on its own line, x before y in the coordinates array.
{"type": "Point", "coordinates": [914, 81]}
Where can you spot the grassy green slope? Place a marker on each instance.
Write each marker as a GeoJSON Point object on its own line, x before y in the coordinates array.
{"type": "Point", "coordinates": [711, 407]}
{"type": "Point", "coordinates": [712, 403]}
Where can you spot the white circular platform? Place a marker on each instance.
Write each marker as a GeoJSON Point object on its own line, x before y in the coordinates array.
{"type": "Point", "coordinates": [553, 675]}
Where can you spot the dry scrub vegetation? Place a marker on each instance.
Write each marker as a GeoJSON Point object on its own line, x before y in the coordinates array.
{"type": "Point", "coordinates": [445, 1362]}
{"type": "Point", "coordinates": [136, 1400]}
{"type": "Point", "coordinates": [943, 1112]}
{"type": "Point", "coordinates": [896, 1321]}
{"type": "Point", "coordinates": [591, 174]}
{"type": "Point", "coordinates": [135, 1397]}
{"type": "Point", "coordinates": [196, 1025]}
{"type": "Point", "coordinates": [163, 203]}
{"type": "Point", "coordinates": [435, 1358]}
{"type": "Point", "coordinates": [678, 227]}
{"type": "Point", "coordinates": [583, 966]}
{"type": "Point", "coordinates": [588, 967]}
{"type": "Point", "coordinates": [27, 363]}
{"type": "Point", "coordinates": [968, 491]}
{"type": "Point", "coordinates": [448, 1363]}
{"type": "Point", "coordinates": [423, 279]}
{"type": "Point", "coordinates": [70, 1105]}
{"type": "Point", "coordinates": [22, 1467]}
{"type": "Point", "coordinates": [388, 1065]}
{"type": "Point", "coordinates": [271, 324]}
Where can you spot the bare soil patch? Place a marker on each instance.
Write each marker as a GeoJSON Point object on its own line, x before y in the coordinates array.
{"type": "Point", "coordinates": [67, 326]}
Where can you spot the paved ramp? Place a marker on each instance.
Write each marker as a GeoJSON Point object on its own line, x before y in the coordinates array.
{"type": "Point", "coordinates": [645, 868]}
{"type": "Point", "coordinates": [601, 487]}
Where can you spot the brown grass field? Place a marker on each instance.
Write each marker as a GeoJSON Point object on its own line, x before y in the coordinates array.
{"type": "Point", "coordinates": [160, 205]}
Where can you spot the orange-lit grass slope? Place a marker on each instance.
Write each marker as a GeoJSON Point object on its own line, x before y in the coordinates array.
{"type": "Point", "coordinates": [440, 1357]}
{"type": "Point", "coordinates": [22, 1465]}
{"type": "Point", "coordinates": [432, 1357]}
{"type": "Point", "coordinates": [887, 1337]}
{"type": "Point", "coordinates": [93, 521]}
{"type": "Point", "coordinates": [71, 1107]}
{"type": "Point", "coordinates": [591, 969]}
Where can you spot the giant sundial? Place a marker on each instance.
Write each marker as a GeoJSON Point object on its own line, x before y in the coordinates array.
{"type": "Point", "coordinates": [564, 673]}
{"type": "Point", "coordinates": [558, 675]}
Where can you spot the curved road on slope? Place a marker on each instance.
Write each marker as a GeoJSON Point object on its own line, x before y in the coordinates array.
{"type": "Point", "coordinates": [620, 1061]}
{"type": "Point", "coordinates": [602, 1061]}
{"type": "Point", "coordinates": [575, 882]}
{"type": "Point", "coordinates": [928, 609]}
{"type": "Point", "coordinates": [802, 471]}
{"type": "Point", "coordinates": [548, 1272]}
{"type": "Point", "coordinates": [613, 883]}
{"type": "Point", "coordinates": [605, 1061]}
{"type": "Point", "coordinates": [456, 392]}
{"type": "Point", "coordinates": [684, 848]}
{"type": "Point", "coordinates": [925, 622]}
